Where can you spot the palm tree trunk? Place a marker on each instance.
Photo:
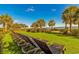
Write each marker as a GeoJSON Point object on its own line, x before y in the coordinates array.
{"type": "Point", "coordinates": [65, 25]}
{"type": "Point", "coordinates": [70, 26]}
{"type": "Point", "coordinates": [5, 27]}
{"type": "Point", "coordinates": [40, 28]}
{"type": "Point", "coordinates": [51, 27]}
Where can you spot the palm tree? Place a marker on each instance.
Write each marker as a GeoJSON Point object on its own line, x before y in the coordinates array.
{"type": "Point", "coordinates": [34, 25]}
{"type": "Point", "coordinates": [76, 20]}
{"type": "Point", "coordinates": [7, 21]}
{"type": "Point", "coordinates": [51, 23]}
{"type": "Point", "coordinates": [23, 26]}
{"type": "Point", "coordinates": [41, 23]}
{"type": "Point", "coordinates": [65, 18]}
{"type": "Point", "coordinates": [68, 15]}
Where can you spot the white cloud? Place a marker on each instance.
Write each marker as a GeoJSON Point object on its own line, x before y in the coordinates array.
{"type": "Point", "coordinates": [30, 9]}
{"type": "Point", "coordinates": [53, 10]}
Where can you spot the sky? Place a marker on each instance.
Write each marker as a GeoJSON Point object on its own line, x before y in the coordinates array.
{"type": "Point", "coordinates": [29, 13]}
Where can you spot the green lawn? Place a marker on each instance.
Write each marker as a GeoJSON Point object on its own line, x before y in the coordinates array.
{"type": "Point", "coordinates": [9, 47]}
{"type": "Point", "coordinates": [71, 43]}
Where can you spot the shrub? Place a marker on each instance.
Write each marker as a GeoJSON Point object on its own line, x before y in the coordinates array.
{"type": "Point", "coordinates": [48, 30]}
{"type": "Point", "coordinates": [65, 31]}
{"type": "Point", "coordinates": [28, 30]}
{"type": "Point", "coordinates": [75, 32]}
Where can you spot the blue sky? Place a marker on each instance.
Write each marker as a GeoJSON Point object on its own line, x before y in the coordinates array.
{"type": "Point", "coordinates": [29, 13]}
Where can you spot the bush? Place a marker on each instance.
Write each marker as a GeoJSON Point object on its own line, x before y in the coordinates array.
{"type": "Point", "coordinates": [42, 30]}
{"type": "Point", "coordinates": [55, 29]}
{"type": "Point", "coordinates": [28, 30]}
{"type": "Point", "coordinates": [33, 30]}
{"type": "Point", "coordinates": [65, 31]}
{"type": "Point", "coordinates": [48, 30]}
{"type": "Point", "coordinates": [75, 32]}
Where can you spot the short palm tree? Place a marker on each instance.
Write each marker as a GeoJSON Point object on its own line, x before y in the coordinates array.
{"type": "Point", "coordinates": [24, 26]}
{"type": "Point", "coordinates": [34, 25]}
{"type": "Point", "coordinates": [41, 23]}
{"type": "Point", "coordinates": [51, 23]}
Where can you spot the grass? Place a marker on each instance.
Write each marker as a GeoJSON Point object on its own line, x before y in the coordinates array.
{"type": "Point", "coordinates": [10, 47]}
{"type": "Point", "coordinates": [71, 43]}
{"type": "Point", "coordinates": [1, 36]}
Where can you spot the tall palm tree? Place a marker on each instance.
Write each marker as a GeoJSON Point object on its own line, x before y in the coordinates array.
{"type": "Point", "coordinates": [34, 26]}
{"type": "Point", "coordinates": [68, 14]}
{"type": "Point", "coordinates": [76, 20]}
{"type": "Point", "coordinates": [51, 23]}
{"type": "Point", "coordinates": [7, 21]}
{"type": "Point", "coordinates": [65, 18]}
{"type": "Point", "coordinates": [41, 23]}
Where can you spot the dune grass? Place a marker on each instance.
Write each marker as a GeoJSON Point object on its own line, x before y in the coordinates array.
{"type": "Point", "coordinates": [9, 46]}
{"type": "Point", "coordinates": [71, 43]}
